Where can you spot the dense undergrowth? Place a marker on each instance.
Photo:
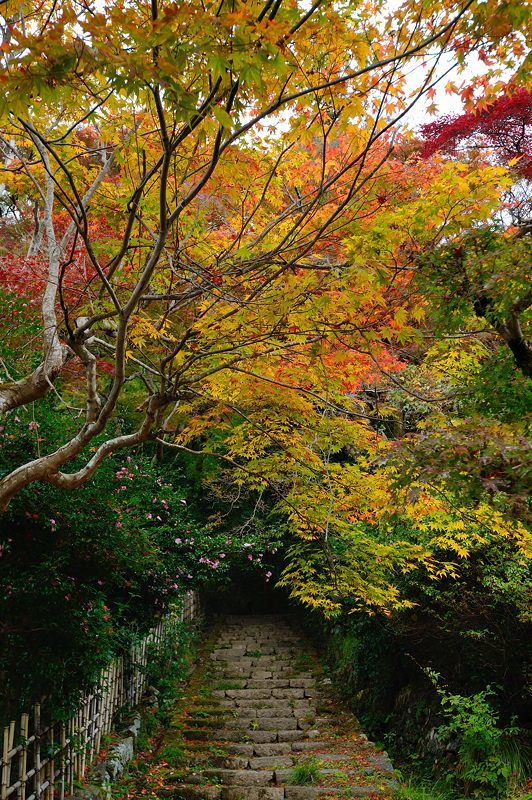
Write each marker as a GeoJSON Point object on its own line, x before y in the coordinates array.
{"type": "Point", "coordinates": [84, 576]}
{"type": "Point", "coordinates": [453, 737]}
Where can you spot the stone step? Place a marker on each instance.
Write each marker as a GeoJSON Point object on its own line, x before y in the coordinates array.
{"type": "Point", "coordinates": [250, 792]}
{"type": "Point", "coordinates": [322, 792]}
{"type": "Point", "coordinates": [274, 749]}
{"type": "Point", "coordinates": [235, 777]}
{"type": "Point", "coordinates": [271, 762]}
{"type": "Point", "coordinates": [269, 709]}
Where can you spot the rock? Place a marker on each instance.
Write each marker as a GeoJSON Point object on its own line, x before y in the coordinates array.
{"type": "Point", "coordinates": [92, 793]}
{"type": "Point", "coordinates": [120, 754]}
{"type": "Point", "coordinates": [134, 725]}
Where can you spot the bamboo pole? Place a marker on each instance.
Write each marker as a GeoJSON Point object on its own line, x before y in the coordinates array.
{"type": "Point", "coordinates": [6, 764]}
{"type": "Point", "coordinates": [62, 764]}
{"type": "Point", "coordinates": [37, 749]}
{"type": "Point", "coordinates": [51, 765]}
{"type": "Point", "coordinates": [23, 758]}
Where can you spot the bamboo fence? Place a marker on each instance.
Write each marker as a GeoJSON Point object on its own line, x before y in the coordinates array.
{"type": "Point", "coordinates": [41, 759]}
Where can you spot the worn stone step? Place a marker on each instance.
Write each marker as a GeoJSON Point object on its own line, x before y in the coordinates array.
{"type": "Point", "coordinates": [268, 709]}
{"type": "Point", "coordinates": [243, 777]}
{"type": "Point", "coordinates": [285, 775]}
{"type": "Point", "coordinates": [274, 749]}
{"type": "Point", "coordinates": [251, 793]}
{"type": "Point", "coordinates": [269, 683]}
{"type": "Point", "coordinates": [271, 762]}
{"type": "Point", "coordinates": [276, 723]}
{"type": "Point", "coordinates": [297, 703]}
{"type": "Point", "coordinates": [312, 744]}
{"type": "Point", "coordinates": [255, 694]}
{"type": "Point", "coordinates": [184, 792]}
{"type": "Point", "coordinates": [319, 792]}
{"type": "Point", "coordinates": [246, 736]}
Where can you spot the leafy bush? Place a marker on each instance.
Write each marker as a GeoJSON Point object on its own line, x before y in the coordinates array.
{"type": "Point", "coordinates": [483, 768]}
{"type": "Point", "coordinates": [83, 574]}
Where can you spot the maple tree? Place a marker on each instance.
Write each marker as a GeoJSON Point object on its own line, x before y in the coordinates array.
{"type": "Point", "coordinates": [503, 126]}
{"type": "Point", "coordinates": [151, 153]}
{"type": "Point", "coordinates": [216, 217]}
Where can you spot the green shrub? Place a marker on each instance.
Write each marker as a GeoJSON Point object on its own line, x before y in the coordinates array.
{"type": "Point", "coordinates": [486, 751]}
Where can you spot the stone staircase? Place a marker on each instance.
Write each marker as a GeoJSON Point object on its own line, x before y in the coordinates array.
{"type": "Point", "coordinates": [260, 723]}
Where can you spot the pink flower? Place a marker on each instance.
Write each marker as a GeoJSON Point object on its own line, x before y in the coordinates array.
{"type": "Point", "coordinates": [179, 541]}
{"type": "Point", "coordinates": [222, 555]}
{"type": "Point", "coordinates": [250, 557]}
{"type": "Point", "coordinates": [33, 426]}
{"type": "Point", "coordinates": [119, 524]}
